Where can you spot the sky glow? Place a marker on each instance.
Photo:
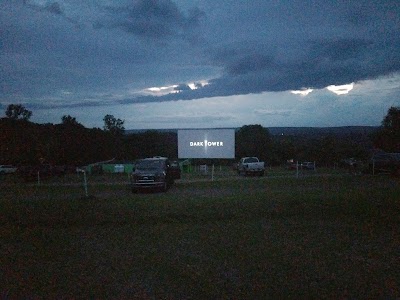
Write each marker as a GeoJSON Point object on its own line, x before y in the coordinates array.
{"type": "Point", "coordinates": [341, 89]}
{"type": "Point", "coordinates": [304, 92]}
{"type": "Point", "coordinates": [195, 64]}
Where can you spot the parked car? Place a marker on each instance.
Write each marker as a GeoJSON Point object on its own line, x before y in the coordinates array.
{"type": "Point", "coordinates": [42, 171]}
{"type": "Point", "coordinates": [307, 165]}
{"type": "Point", "coordinates": [353, 165]}
{"type": "Point", "coordinates": [291, 165]}
{"type": "Point", "coordinates": [251, 166]}
{"type": "Point", "coordinates": [347, 162]}
{"type": "Point", "coordinates": [175, 169]}
{"type": "Point", "coordinates": [7, 169]}
{"type": "Point", "coordinates": [383, 162]}
{"type": "Point", "coordinates": [152, 173]}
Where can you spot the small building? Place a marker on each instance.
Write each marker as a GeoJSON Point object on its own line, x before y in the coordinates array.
{"type": "Point", "coordinates": [111, 166]}
{"type": "Point", "coordinates": [186, 166]}
{"type": "Point", "coordinates": [118, 167]}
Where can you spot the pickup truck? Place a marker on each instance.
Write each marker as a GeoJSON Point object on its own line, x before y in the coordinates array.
{"type": "Point", "coordinates": [251, 166]}
{"type": "Point", "coordinates": [7, 169]}
{"type": "Point", "coordinates": [42, 171]}
{"type": "Point", "coordinates": [383, 162]}
{"type": "Point", "coordinates": [153, 173]}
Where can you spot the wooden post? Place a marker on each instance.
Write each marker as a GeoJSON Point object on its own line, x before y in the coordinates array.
{"type": "Point", "coordinates": [85, 182]}
{"type": "Point", "coordinates": [373, 166]}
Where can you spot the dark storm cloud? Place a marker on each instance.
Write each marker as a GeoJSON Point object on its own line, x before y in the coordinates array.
{"type": "Point", "coordinates": [256, 68]}
{"type": "Point", "coordinates": [182, 88]}
{"type": "Point", "coordinates": [151, 19]}
{"type": "Point", "coordinates": [344, 61]}
{"type": "Point", "coordinates": [250, 63]}
{"type": "Point", "coordinates": [247, 47]}
{"type": "Point", "coordinates": [54, 8]}
{"type": "Point", "coordinates": [83, 104]}
{"type": "Point", "coordinates": [325, 62]}
{"type": "Point", "coordinates": [51, 7]}
{"type": "Point", "coordinates": [367, 13]}
{"type": "Point", "coordinates": [339, 50]}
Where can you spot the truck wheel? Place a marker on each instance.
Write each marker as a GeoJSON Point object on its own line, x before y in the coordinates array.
{"type": "Point", "coordinates": [134, 190]}
{"type": "Point", "coordinates": [261, 174]}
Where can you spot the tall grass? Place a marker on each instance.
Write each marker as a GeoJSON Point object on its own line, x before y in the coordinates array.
{"type": "Point", "coordinates": [318, 237]}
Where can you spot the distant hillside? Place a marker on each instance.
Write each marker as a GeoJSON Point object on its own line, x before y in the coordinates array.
{"type": "Point", "coordinates": [324, 131]}
{"type": "Point", "coordinates": [346, 131]}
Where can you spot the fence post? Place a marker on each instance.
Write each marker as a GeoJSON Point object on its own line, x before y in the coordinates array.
{"type": "Point", "coordinates": [85, 184]}
{"type": "Point", "coordinates": [373, 166]}
{"type": "Point", "coordinates": [84, 181]}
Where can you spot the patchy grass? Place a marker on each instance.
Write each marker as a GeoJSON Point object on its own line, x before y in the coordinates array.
{"type": "Point", "coordinates": [318, 237]}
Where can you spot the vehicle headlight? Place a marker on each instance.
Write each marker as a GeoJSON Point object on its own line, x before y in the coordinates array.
{"type": "Point", "coordinates": [160, 176]}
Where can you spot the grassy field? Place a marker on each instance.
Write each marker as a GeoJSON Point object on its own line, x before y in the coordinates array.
{"type": "Point", "coordinates": [326, 236]}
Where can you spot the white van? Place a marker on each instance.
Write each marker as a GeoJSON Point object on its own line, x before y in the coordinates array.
{"type": "Point", "coordinates": [7, 169]}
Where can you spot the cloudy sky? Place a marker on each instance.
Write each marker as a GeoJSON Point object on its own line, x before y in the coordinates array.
{"type": "Point", "coordinates": [201, 63]}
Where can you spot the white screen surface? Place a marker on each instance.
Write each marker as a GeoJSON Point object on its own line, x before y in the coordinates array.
{"type": "Point", "coordinates": [206, 143]}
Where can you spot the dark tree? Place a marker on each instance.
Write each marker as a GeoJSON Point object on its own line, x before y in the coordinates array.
{"type": "Point", "coordinates": [391, 121]}
{"type": "Point", "coordinates": [18, 112]}
{"type": "Point", "coordinates": [388, 137]}
{"type": "Point", "coordinates": [70, 121]}
{"type": "Point", "coordinates": [253, 140]}
{"type": "Point", "coordinates": [113, 125]}
{"type": "Point", "coordinates": [282, 150]}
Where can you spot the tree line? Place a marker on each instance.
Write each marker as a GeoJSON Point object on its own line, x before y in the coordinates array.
{"type": "Point", "coordinates": [23, 142]}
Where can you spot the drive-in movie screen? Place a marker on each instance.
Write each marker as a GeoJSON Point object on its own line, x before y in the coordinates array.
{"type": "Point", "coordinates": [206, 143]}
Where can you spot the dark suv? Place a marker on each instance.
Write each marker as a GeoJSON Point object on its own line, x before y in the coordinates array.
{"type": "Point", "coordinates": [385, 163]}
{"type": "Point", "coordinates": [152, 173]}
{"type": "Point", "coordinates": [39, 172]}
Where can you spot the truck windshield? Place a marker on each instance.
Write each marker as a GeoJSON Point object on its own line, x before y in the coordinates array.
{"type": "Point", "coordinates": [396, 156]}
{"type": "Point", "coordinates": [149, 164]}
{"type": "Point", "coordinates": [251, 160]}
